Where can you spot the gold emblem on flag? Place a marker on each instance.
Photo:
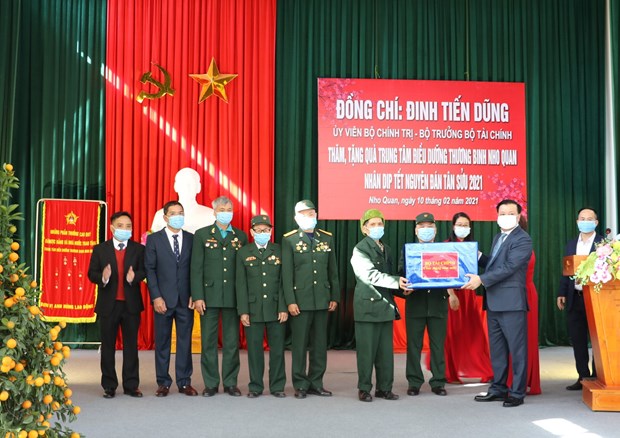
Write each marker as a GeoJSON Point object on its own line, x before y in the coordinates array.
{"type": "Point", "coordinates": [71, 218]}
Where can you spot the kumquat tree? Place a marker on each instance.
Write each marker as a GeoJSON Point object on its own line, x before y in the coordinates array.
{"type": "Point", "coordinates": [35, 399]}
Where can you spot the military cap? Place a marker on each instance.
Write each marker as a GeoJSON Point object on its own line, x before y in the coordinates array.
{"type": "Point", "coordinates": [424, 217]}
{"type": "Point", "coordinates": [261, 219]}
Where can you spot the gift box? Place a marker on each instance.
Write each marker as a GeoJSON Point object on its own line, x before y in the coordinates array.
{"type": "Point", "coordinates": [440, 265]}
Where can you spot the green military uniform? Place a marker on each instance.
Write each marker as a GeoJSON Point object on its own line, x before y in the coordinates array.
{"type": "Point", "coordinates": [310, 280]}
{"type": "Point", "coordinates": [374, 311]}
{"type": "Point", "coordinates": [213, 280]}
{"type": "Point", "coordinates": [260, 295]}
{"type": "Point", "coordinates": [426, 308]}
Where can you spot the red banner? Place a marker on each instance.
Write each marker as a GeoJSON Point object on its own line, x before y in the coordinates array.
{"type": "Point", "coordinates": [407, 146]}
{"type": "Point", "coordinates": [70, 230]}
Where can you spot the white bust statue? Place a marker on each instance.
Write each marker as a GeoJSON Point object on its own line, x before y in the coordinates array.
{"type": "Point", "coordinates": [187, 185]}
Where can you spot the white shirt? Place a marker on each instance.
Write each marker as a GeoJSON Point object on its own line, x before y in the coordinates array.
{"type": "Point", "coordinates": [583, 248]}
{"type": "Point", "coordinates": [170, 233]}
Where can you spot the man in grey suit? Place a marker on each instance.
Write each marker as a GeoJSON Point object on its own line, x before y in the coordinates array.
{"type": "Point", "coordinates": [505, 301]}
{"type": "Point", "coordinates": [167, 261]}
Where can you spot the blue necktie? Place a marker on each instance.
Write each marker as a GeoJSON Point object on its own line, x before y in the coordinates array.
{"type": "Point", "coordinates": [175, 247]}
{"type": "Point", "coordinates": [121, 246]}
{"type": "Point", "coordinates": [498, 244]}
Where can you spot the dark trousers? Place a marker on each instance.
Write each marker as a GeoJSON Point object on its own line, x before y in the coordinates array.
{"type": "Point", "coordinates": [578, 333]}
{"type": "Point", "coordinates": [108, 327]}
{"type": "Point", "coordinates": [508, 337]}
{"type": "Point", "coordinates": [209, 324]}
{"type": "Point", "coordinates": [309, 338]}
{"type": "Point", "coordinates": [415, 338]}
{"type": "Point", "coordinates": [183, 318]}
{"type": "Point", "coordinates": [374, 348]}
{"type": "Point", "coordinates": [256, 355]}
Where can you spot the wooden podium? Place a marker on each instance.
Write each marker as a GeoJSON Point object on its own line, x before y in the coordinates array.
{"type": "Point", "coordinates": [603, 310]}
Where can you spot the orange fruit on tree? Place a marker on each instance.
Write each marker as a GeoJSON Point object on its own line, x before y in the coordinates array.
{"type": "Point", "coordinates": [15, 246]}
{"type": "Point", "coordinates": [9, 302]}
{"type": "Point", "coordinates": [4, 396]}
{"type": "Point", "coordinates": [55, 361]}
{"type": "Point", "coordinates": [26, 404]}
{"type": "Point", "coordinates": [47, 379]}
{"type": "Point", "coordinates": [62, 324]}
{"type": "Point", "coordinates": [10, 325]}
{"type": "Point", "coordinates": [19, 291]}
{"type": "Point", "coordinates": [76, 410]}
{"type": "Point", "coordinates": [47, 399]}
{"type": "Point", "coordinates": [57, 345]}
{"type": "Point", "coordinates": [38, 381]}
{"type": "Point", "coordinates": [19, 367]}
{"type": "Point", "coordinates": [12, 229]}
{"type": "Point", "coordinates": [1, 269]}
{"type": "Point", "coordinates": [55, 405]}
{"type": "Point", "coordinates": [48, 351]}
{"type": "Point", "coordinates": [68, 393]}
{"type": "Point", "coordinates": [33, 284]}
{"type": "Point", "coordinates": [5, 368]}
{"type": "Point", "coordinates": [34, 310]}
{"type": "Point", "coordinates": [11, 343]}
{"type": "Point", "coordinates": [23, 434]}
{"type": "Point", "coordinates": [14, 257]}
{"type": "Point", "coordinates": [33, 434]}
{"type": "Point", "coordinates": [75, 435]}
{"type": "Point", "coordinates": [13, 278]}
{"type": "Point", "coordinates": [8, 167]}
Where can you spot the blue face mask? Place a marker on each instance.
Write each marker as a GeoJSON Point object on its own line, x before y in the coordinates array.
{"type": "Point", "coordinates": [586, 226]}
{"type": "Point", "coordinates": [376, 233]}
{"type": "Point", "coordinates": [176, 221]}
{"type": "Point", "coordinates": [262, 238]}
{"type": "Point", "coordinates": [122, 235]}
{"type": "Point", "coordinates": [426, 234]}
{"type": "Point", "coordinates": [224, 217]}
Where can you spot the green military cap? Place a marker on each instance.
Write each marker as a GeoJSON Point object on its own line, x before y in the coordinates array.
{"type": "Point", "coordinates": [304, 205]}
{"type": "Point", "coordinates": [371, 214]}
{"type": "Point", "coordinates": [425, 217]}
{"type": "Point", "coordinates": [261, 219]}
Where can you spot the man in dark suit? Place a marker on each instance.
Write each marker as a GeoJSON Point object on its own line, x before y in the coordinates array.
{"type": "Point", "coordinates": [425, 309]}
{"type": "Point", "coordinates": [167, 260]}
{"type": "Point", "coordinates": [261, 306]}
{"type": "Point", "coordinates": [570, 296]}
{"type": "Point", "coordinates": [117, 268]}
{"type": "Point", "coordinates": [505, 301]}
{"type": "Point", "coordinates": [213, 290]}
{"type": "Point", "coordinates": [311, 290]}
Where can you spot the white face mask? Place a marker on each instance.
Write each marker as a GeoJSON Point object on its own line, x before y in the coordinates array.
{"type": "Point", "coordinates": [507, 221]}
{"type": "Point", "coordinates": [461, 232]}
{"type": "Point", "coordinates": [305, 222]}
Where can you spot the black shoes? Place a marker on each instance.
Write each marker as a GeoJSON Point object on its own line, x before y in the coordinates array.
{"type": "Point", "coordinates": [413, 391]}
{"type": "Point", "coordinates": [232, 390]}
{"type": "Point", "coordinates": [512, 402]}
{"type": "Point", "coordinates": [300, 393]}
{"type": "Point", "coordinates": [577, 386]}
{"type": "Point", "coordinates": [388, 395]}
{"type": "Point", "coordinates": [278, 394]}
{"type": "Point", "coordinates": [109, 393]}
{"type": "Point", "coordinates": [209, 392]}
{"type": "Point", "coordinates": [133, 392]}
{"type": "Point", "coordinates": [254, 394]}
{"type": "Point", "coordinates": [488, 397]}
{"type": "Point", "coordinates": [440, 390]}
{"type": "Point", "coordinates": [364, 396]}
{"type": "Point", "coordinates": [322, 392]}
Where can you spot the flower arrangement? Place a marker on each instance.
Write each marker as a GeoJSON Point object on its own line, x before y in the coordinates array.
{"type": "Point", "coordinates": [601, 266]}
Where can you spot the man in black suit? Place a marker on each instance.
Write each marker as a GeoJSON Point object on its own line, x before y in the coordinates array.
{"type": "Point", "coordinates": [117, 268]}
{"type": "Point", "coordinates": [505, 300]}
{"type": "Point", "coordinates": [167, 261]}
{"type": "Point", "coordinates": [570, 295]}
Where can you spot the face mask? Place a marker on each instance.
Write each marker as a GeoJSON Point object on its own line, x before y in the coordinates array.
{"type": "Point", "coordinates": [305, 222]}
{"type": "Point", "coordinates": [176, 221]}
{"type": "Point", "coordinates": [426, 234]}
{"type": "Point", "coordinates": [224, 217]}
{"type": "Point", "coordinates": [461, 232]}
{"type": "Point", "coordinates": [507, 221]}
{"type": "Point", "coordinates": [262, 238]}
{"type": "Point", "coordinates": [122, 235]}
{"type": "Point", "coordinates": [376, 233]}
{"type": "Point", "coordinates": [586, 226]}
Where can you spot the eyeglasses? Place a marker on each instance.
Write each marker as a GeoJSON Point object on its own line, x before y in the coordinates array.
{"type": "Point", "coordinates": [262, 231]}
{"type": "Point", "coordinates": [175, 214]}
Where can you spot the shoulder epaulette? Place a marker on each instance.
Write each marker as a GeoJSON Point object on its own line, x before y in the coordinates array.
{"type": "Point", "coordinates": [290, 233]}
{"type": "Point", "coordinates": [326, 232]}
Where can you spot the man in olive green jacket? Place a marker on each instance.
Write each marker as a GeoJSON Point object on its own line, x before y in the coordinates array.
{"type": "Point", "coordinates": [426, 309]}
{"type": "Point", "coordinates": [374, 308]}
{"type": "Point", "coordinates": [212, 274]}
{"type": "Point", "coordinates": [261, 306]}
{"type": "Point", "coordinates": [311, 290]}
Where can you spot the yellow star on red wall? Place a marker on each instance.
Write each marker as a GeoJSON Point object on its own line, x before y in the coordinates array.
{"type": "Point", "coordinates": [213, 82]}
